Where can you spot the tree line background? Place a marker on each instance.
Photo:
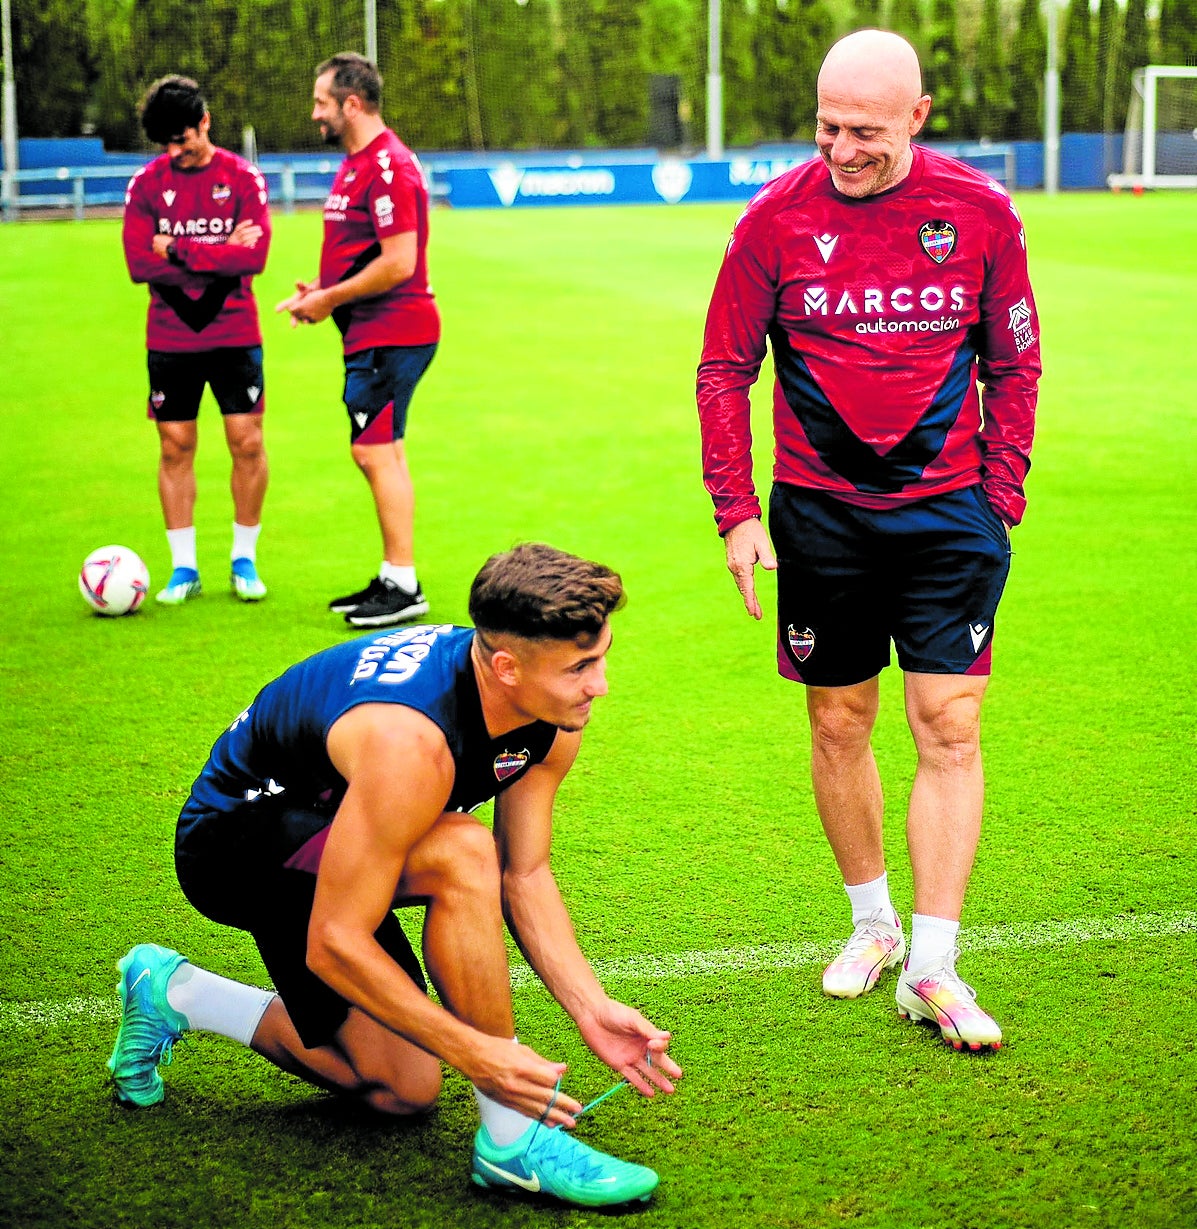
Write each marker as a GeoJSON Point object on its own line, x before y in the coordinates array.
{"type": "Point", "coordinates": [554, 74]}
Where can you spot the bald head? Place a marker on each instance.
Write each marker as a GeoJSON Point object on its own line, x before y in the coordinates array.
{"type": "Point", "coordinates": [875, 64]}
{"type": "Point", "coordinates": [871, 103]}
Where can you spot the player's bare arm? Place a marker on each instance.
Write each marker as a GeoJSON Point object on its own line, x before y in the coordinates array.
{"type": "Point", "coordinates": [390, 268]}
{"type": "Point", "coordinates": [541, 925]}
{"type": "Point", "coordinates": [367, 863]}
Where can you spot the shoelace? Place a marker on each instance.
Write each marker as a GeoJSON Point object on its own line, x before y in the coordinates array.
{"type": "Point", "coordinates": [571, 1155]}
{"type": "Point", "coordinates": [159, 1046]}
{"type": "Point", "coordinates": [946, 977]}
{"type": "Point", "coordinates": [648, 1059]}
{"type": "Point", "coordinates": [865, 937]}
{"type": "Point", "coordinates": [562, 1148]}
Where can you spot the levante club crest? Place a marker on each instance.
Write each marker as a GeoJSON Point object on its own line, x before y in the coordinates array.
{"type": "Point", "coordinates": [508, 763]}
{"type": "Point", "coordinates": [938, 239]}
{"type": "Point", "coordinates": [802, 643]}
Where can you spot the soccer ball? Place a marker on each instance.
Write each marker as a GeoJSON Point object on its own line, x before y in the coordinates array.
{"type": "Point", "coordinates": [113, 580]}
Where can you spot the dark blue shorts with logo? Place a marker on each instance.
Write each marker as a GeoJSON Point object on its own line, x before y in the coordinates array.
{"type": "Point", "coordinates": [927, 575]}
{"type": "Point", "coordinates": [379, 383]}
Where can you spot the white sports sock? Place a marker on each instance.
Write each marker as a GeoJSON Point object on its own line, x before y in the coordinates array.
{"type": "Point", "coordinates": [216, 1004]}
{"type": "Point", "coordinates": [404, 577]}
{"type": "Point", "coordinates": [502, 1124]}
{"type": "Point", "coordinates": [182, 548]}
{"type": "Point", "coordinates": [931, 941]}
{"type": "Point", "coordinates": [245, 541]}
{"type": "Point", "coordinates": [867, 898]}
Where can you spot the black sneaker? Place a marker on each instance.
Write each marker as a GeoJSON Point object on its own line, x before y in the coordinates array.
{"type": "Point", "coordinates": [391, 605]}
{"type": "Point", "coordinates": [343, 605]}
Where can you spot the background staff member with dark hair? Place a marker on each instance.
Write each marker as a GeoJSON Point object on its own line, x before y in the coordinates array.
{"type": "Point", "coordinates": [197, 230]}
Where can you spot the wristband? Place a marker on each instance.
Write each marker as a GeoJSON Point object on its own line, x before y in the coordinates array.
{"type": "Point", "coordinates": [172, 254]}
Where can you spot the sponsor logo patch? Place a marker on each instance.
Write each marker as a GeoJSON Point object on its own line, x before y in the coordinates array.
{"type": "Point", "coordinates": [938, 239]}
{"type": "Point", "coordinates": [508, 763]}
{"type": "Point", "coordinates": [802, 643]}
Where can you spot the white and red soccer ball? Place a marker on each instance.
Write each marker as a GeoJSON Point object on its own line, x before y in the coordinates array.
{"type": "Point", "coordinates": [113, 580]}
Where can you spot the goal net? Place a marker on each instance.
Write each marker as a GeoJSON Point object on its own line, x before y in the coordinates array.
{"type": "Point", "coordinates": [1160, 144]}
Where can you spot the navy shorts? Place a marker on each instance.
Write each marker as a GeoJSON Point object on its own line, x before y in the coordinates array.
{"type": "Point", "coordinates": [177, 382]}
{"type": "Point", "coordinates": [231, 868]}
{"type": "Point", "coordinates": [378, 388]}
{"type": "Point", "coordinates": [927, 575]}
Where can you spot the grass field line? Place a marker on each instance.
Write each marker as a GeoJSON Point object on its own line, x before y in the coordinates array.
{"type": "Point", "coordinates": [776, 956]}
{"type": "Point", "coordinates": [770, 957]}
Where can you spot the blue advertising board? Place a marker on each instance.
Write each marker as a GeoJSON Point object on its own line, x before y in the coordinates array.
{"type": "Point", "coordinates": [511, 184]}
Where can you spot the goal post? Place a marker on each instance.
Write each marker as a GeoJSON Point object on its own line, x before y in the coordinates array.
{"type": "Point", "coordinates": [1160, 143]}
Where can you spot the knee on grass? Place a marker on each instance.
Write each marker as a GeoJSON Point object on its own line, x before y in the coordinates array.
{"type": "Point", "coordinates": [402, 1094]}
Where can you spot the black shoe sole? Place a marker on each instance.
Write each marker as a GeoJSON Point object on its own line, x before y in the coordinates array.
{"type": "Point", "coordinates": [388, 620]}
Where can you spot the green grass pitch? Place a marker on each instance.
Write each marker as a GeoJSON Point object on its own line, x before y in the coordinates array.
{"type": "Point", "coordinates": [561, 408]}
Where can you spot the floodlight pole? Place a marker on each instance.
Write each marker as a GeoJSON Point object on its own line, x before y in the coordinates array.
{"type": "Point", "coordinates": [370, 19]}
{"type": "Point", "coordinates": [8, 189]}
{"type": "Point", "coordinates": [714, 81]}
{"type": "Point", "coordinates": [1051, 104]}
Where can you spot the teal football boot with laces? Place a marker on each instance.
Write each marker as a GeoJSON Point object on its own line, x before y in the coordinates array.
{"type": "Point", "coordinates": [149, 1025]}
{"type": "Point", "coordinates": [550, 1161]}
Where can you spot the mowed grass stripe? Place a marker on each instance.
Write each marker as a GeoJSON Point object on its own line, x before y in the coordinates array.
{"type": "Point", "coordinates": [26, 1017]}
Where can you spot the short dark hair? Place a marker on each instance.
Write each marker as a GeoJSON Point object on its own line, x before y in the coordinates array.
{"type": "Point", "coordinates": [353, 74]}
{"type": "Point", "coordinates": [170, 106]}
{"type": "Point", "coordinates": [539, 593]}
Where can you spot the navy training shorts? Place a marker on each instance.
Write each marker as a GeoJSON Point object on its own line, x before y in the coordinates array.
{"type": "Point", "coordinates": [177, 381]}
{"type": "Point", "coordinates": [378, 388]}
{"type": "Point", "coordinates": [231, 868]}
{"type": "Point", "coordinates": [927, 575]}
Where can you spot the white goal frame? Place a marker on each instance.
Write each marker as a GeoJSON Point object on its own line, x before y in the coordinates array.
{"type": "Point", "coordinates": [1140, 138]}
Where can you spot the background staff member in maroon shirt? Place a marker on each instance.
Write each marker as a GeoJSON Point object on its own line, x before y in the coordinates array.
{"type": "Point", "coordinates": [197, 230]}
{"type": "Point", "coordinates": [373, 281]}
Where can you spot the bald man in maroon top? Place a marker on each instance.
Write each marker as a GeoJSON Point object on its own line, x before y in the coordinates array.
{"type": "Point", "coordinates": [890, 281]}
